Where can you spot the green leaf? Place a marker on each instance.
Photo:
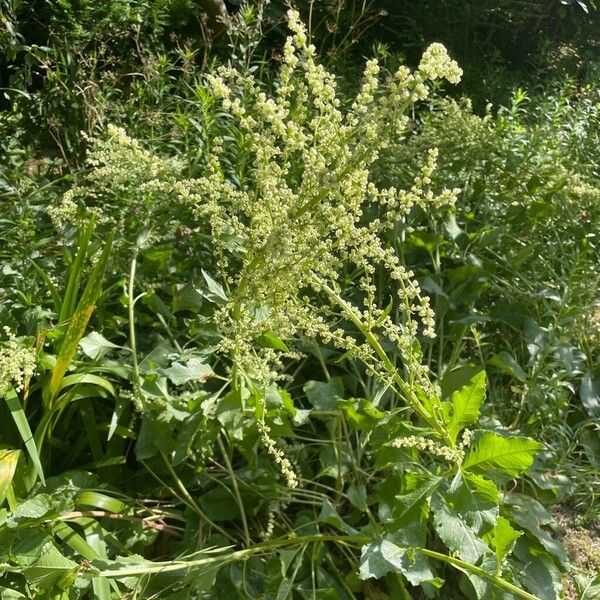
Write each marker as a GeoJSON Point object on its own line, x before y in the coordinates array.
{"type": "Point", "coordinates": [587, 588]}
{"type": "Point", "coordinates": [270, 340]}
{"type": "Point", "coordinates": [466, 404]}
{"type": "Point", "coordinates": [452, 529]}
{"type": "Point", "coordinates": [475, 500]}
{"type": "Point", "coordinates": [52, 569]}
{"type": "Point", "coordinates": [7, 594]}
{"type": "Point", "coordinates": [69, 301]}
{"type": "Point", "coordinates": [414, 505]}
{"type": "Point", "coordinates": [324, 395]}
{"type": "Point", "coordinates": [331, 516]}
{"type": "Point", "coordinates": [95, 345]}
{"type": "Point", "coordinates": [215, 293]}
{"type": "Point", "coordinates": [538, 572]}
{"type": "Point", "coordinates": [357, 495]}
{"type": "Point", "coordinates": [194, 370]}
{"type": "Point", "coordinates": [230, 413]}
{"type": "Point", "coordinates": [530, 515]}
{"type": "Point", "coordinates": [18, 415]}
{"type": "Point", "coordinates": [8, 466]}
{"type": "Point", "coordinates": [507, 363]}
{"type": "Point", "coordinates": [361, 414]}
{"type": "Point", "coordinates": [502, 538]}
{"type": "Point", "coordinates": [508, 455]}
{"type": "Point", "coordinates": [384, 556]}
{"type": "Point", "coordinates": [79, 320]}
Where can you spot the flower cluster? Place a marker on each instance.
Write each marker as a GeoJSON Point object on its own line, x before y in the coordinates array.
{"type": "Point", "coordinates": [17, 364]}
{"type": "Point", "coordinates": [278, 455]}
{"type": "Point", "coordinates": [299, 217]}
{"type": "Point", "coordinates": [454, 455]}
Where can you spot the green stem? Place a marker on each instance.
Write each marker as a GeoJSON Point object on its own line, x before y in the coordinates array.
{"type": "Point", "coordinates": [372, 340]}
{"type": "Point", "coordinates": [236, 490]}
{"type": "Point", "coordinates": [132, 338]}
{"type": "Point", "coordinates": [301, 540]}
{"type": "Point", "coordinates": [190, 502]}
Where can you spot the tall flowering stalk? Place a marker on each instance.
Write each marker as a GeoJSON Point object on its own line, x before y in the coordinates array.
{"type": "Point", "coordinates": [298, 215]}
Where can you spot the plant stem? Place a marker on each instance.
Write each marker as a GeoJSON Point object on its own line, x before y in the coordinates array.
{"type": "Point", "coordinates": [236, 490]}
{"type": "Point", "coordinates": [132, 339]}
{"type": "Point", "coordinates": [309, 539]}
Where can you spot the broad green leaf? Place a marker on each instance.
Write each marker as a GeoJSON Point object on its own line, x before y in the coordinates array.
{"type": "Point", "coordinates": [508, 455]}
{"type": "Point", "coordinates": [79, 320]}
{"type": "Point", "coordinates": [380, 557]}
{"type": "Point", "coordinates": [8, 594]}
{"type": "Point", "coordinates": [530, 515]}
{"type": "Point", "coordinates": [502, 538]}
{"type": "Point", "coordinates": [475, 499]}
{"type": "Point", "coordinates": [507, 363]}
{"type": "Point", "coordinates": [95, 345]}
{"type": "Point", "coordinates": [324, 395]}
{"type": "Point", "coordinates": [194, 370]}
{"type": "Point", "coordinates": [414, 505]}
{"type": "Point", "coordinates": [8, 466]}
{"type": "Point", "coordinates": [361, 413]}
{"type": "Point", "coordinates": [331, 516]}
{"type": "Point", "coordinates": [52, 569]}
{"type": "Point", "coordinates": [455, 533]}
{"type": "Point", "coordinates": [538, 573]}
{"type": "Point", "coordinates": [230, 413]}
{"type": "Point", "coordinates": [384, 556]}
{"type": "Point", "coordinates": [466, 404]}
{"type": "Point", "coordinates": [357, 495]}
{"type": "Point", "coordinates": [33, 508]}
{"type": "Point", "coordinates": [270, 340]}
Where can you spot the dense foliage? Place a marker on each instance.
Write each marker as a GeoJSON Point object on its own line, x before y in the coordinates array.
{"type": "Point", "coordinates": [269, 332]}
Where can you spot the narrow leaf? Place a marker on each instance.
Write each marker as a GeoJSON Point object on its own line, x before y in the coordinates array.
{"type": "Point", "coordinates": [79, 320]}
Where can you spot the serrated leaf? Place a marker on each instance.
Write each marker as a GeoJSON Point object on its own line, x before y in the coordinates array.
{"type": "Point", "coordinates": [384, 556]}
{"type": "Point", "coordinates": [475, 499]}
{"type": "Point", "coordinates": [512, 455]}
{"type": "Point", "coordinates": [466, 404]}
{"type": "Point", "coordinates": [412, 506]}
{"type": "Point", "coordinates": [503, 538]}
{"type": "Point", "coordinates": [455, 533]}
